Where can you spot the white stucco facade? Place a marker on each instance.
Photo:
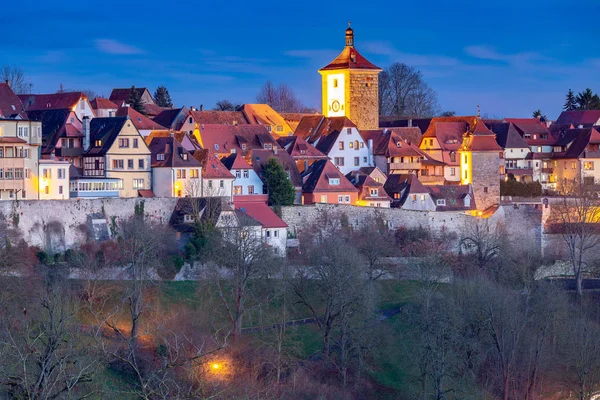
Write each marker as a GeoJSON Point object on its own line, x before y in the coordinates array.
{"type": "Point", "coordinates": [246, 182]}
{"type": "Point", "coordinates": [54, 180]}
{"type": "Point", "coordinates": [350, 152]}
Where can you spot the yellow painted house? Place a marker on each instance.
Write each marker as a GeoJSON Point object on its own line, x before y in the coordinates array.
{"type": "Point", "coordinates": [263, 114]}
{"type": "Point", "coordinates": [117, 150]}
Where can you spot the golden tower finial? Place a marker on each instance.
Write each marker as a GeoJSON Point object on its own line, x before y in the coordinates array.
{"type": "Point", "coordinates": [349, 36]}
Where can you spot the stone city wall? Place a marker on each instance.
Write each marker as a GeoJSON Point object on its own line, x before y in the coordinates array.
{"type": "Point", "coordinates": [56, 225]}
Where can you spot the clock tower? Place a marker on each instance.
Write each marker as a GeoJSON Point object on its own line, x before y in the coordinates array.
{"type": "Point", "coordinates": [350, 87]}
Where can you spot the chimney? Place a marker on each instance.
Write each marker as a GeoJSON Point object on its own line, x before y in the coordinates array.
{"type": "Point", "coordinates": [85, 128]}
{"type": "Point", "coordinates": [370, 145]}
{"type": "Point", "coordinates": [201, 107]}
{"type": "Point", "coordinates": [410, 122]}
{"type": "Point", "coordinates": [275, 150]}
{"type": "Point", "coordinates": [171, 134]}
{"type": "Point", "coordinates": [192, 108]}
{"type": "Point", "coordinates": [7, 82]}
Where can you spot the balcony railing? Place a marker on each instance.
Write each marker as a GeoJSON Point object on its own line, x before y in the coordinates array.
{"type": "Point", "coordinates": [406, 166]}
{"type": "Point", "coordinates": [68, 151]}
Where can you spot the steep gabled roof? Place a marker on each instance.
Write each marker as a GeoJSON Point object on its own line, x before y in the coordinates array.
{"type": "Point", "coordinates": [586, 118]}
{"type": "Point", "coordinates": [100, 103]}
{"type": "Point", "coordinates": [120, 96]}
{"type": "Point", "coordinates": [171, 118]}
{"type": "Point", "coordinates": [299, 148]}
{"type": "Point", "coordinates": [235, 161]}
{"type": "Point", "coordinates": [152, 110]}
{"type": "Point", "coordinates": [350, 58]}
{"type": "Point", "coordinates": [316, 178]}
{"type": "Point", "coordinates": [225, 138]}
{"type": "Point", "coordinates": [10, 104]}
{"type": "Point", "coordinates": [293, 119]}
{"type": "Point", "coordinates": [262, 213]}
{"type": "Point", "coordinates": [212, 168]}
{"type": "Point", "coordinates": [219, 117]}
{"type": "Point", "coordinates": [106, 131]}
{"type": "Point", "coordinates": [454, 196]}
{"type": "Point", "coordinates": [139, 120]}
{"type": "Point", "coordinates": [398, 142]}
{"type": "Point", "coordinates": [260, 158]}
{"type": "Point", "coordinates": [51, 101]}
{"type": "Point", "coordinates": [395, 122]}
{"type": "Point", "coordinates": [54, 126]}
{"type": "Point", "coordinates": [173, 153]}
{"type": "Point", "coordinates": [507, 135]}
{"type": "Point", "coordinates": [322, 132]}
{"type": "Point", "coordinates": [265, 115]}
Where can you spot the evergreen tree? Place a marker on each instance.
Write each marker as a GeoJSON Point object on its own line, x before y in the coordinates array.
{"type": "Point", "coordinates": [587, 100]}
{"type": "Point", "coordinates": [135, 101]}
{"type": "Point", "coordinates": [570, 102]}
{"type": "Point", "coordinates": [539, 115]}
{"type": "Point", "coordinates": [162, 98]}
{"type": "Point", "coordinates": [281, 190]}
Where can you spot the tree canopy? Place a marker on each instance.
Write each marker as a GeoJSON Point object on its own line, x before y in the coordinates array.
{"type": "Point", "coordinates": [17, 79]}
{"type": "Point", "coordinates": [404, 93]}
{"type": "Point", "coordinates": [281, 190]}
{"type": "Point", "coordinates": [162, 98]}
{"type": "Point", "coordinates": [135, 101]}
{"type": "Point", "coordinates": [280, 97]}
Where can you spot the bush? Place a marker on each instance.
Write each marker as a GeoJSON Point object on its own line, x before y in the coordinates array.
{"type": "Point", "coordinates": [170, 268]}
{"type": "Point", "coordinates": [43, 257]}
{"type": "Point", "coordinates": [520, 189]}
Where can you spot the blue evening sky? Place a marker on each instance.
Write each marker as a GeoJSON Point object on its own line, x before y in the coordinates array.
{"type": "Point", "coordinates": [510, 57]}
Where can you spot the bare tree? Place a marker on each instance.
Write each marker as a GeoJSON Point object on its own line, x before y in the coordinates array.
{"type": "Point", "coordinates": [403, 92]}
{"type": "Point", "coordinates": [240, 255]}
{"type": "Point", "coordinates": [577, 218]}
{"type": "Point", "coordinates": [225, 105]}
{"type": "Point", "coordinates": [281, 98]}
{"type": "Point", "coordinates": [43, 350]}
{"type": "Point", "coordinates": [16, 77]}
{"type": "Point", "coordinates": [484, 240]}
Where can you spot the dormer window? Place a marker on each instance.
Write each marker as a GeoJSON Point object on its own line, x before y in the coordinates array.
{"type": "Point", "coordinates": [302, 151]}
{"type": "Point", "coordinates": [534, 137]}
{"type": "Point", "coordinates": [184, 156]}
{"type": "Point", "coordinates": [349, 131]}
{"type": "Point", "coordinates": [269, 129]}
{"type": "Point", "coordinates": [160, 157]}
{"type": "Point", "coordinates": [440, 202]}
{"type": "Point", "coordinates": [216, 146]}
{"type": "Point", "coordinates": [279, 128]}
{"type": "Point", "coordinates": [374, 192]}
{"type": "Point", "coordinates": [268, 146]}
{"type": "Point", "coordinates": [334, 181]}
{"type": "Point", "coordinates": [398, 144]}
{"type": "Point", "coordinates": [233, 151]}
{"type": "Point", "coordinates": [98, 143]}
{"type": "Point", "coordinates": [244, 147]}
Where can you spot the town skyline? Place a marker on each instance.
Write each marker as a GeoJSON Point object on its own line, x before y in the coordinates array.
{"type": "Point", "coordinates": [508, 66]}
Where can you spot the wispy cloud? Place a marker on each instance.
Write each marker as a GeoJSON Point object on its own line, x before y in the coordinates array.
{"type": "Point", "coordinates": [314, 54]}
{"type": "Point", "coordinates": [52, 56]}
{"type": "Point", "coordinates": [111, 46]}
{"type": "Point", "coordinates": [386, 49]}
{"type": "Point", "coordinates": [522, 59]}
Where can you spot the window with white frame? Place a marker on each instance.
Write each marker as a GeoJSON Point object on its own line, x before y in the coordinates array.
{"type": "Point", "coordinates": [374, 192]}
{"type": "Point", "coordinates": [440, 202]}
{"type": "Point", "coordinates": [334, 181]}
{"type": "Point", "coordinates": [246, 173]}
{"type": "Point", "coordinates": [160, 157]}
{"type": "Point", "coordinates": [138, 184]}
{"type": "Point", "coordinates": [238, 173]}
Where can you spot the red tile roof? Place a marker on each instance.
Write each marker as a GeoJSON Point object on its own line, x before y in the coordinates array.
{"type": "Point", "coordinates": [173, 153]}
{"type": "Point", "coordinates": [219, 117]}
{"type": "Point", "coordinates": [322, 132]}
{"type": "Point", "coordinates": [235, 161]}
{"type": "Point", "coordinates": [10, 103]}
{"type": "Point", "coordinates": [212, 168]}
{"type": "Point", "coordinates": [261, 213]}
{"type": "Point", "coordinates": [100, 103]}
{"type": "Point", "coordinates": [300, 148]}
{"type": "Point", "coordinates": [584, 117]}
{"type": "Point", "coordinates": [11, 140]}
{"type": "Point", "coordinates": [397, 142]}
{"type": "Point", "coordinates": [152, 110]}
{"type": "Point", "coordinates": [145, 193]}
{"type": "Point", "coordinates": [139, 120]}
{"type": "Point", "coordinates": [316, 178]}
{"type": "Point", "coordinates": [350, 58]}
{"type": "Point", "coordinates": [222, 139]}
{"type": "Point", "coordinates": [122, 95]}
{"type": "Point", "coordinates": [51, 101]}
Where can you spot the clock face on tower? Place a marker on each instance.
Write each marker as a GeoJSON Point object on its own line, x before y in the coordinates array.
{"type": "Point", "coordinates": [335, 106]}
{"type": "Point", "coordinates": [335, 95]}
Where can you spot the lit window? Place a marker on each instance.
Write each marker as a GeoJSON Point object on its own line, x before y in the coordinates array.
{"type": "Point", "coordinates": [138, 184]}
{"type": "Point", "coordinates": [588, 165]}
{"type": "Point", "coordinates": [237, 190]}
{"type": "Point", "coordinates": [324, 198]}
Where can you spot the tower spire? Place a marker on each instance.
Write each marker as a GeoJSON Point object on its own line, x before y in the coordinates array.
{"type": "Point", "coordinates": [349, 36]}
